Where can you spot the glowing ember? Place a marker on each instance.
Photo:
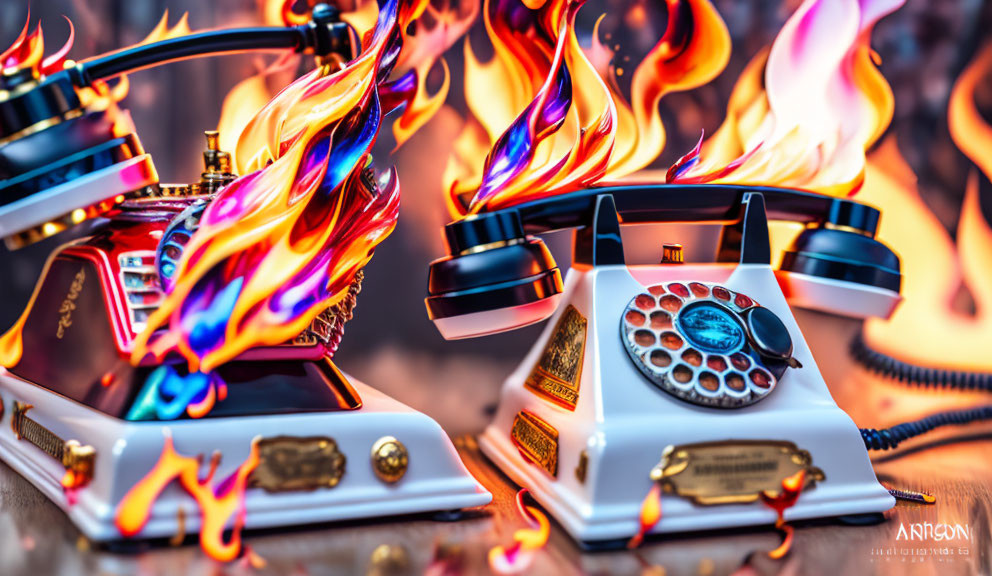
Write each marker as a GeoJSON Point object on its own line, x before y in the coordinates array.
{"type": "Point", "coordinates": [553, 120]}
{"type": "Point", "coordinates": [526, 541]}
{"type": "Point", "coordinates": [780, 502]}
{"type": "Point", "coordinates": [650, 515]}
{"type": "Point", "coordinates": [219, 506]}
{"type": "Point", "coordinates": [284, 242]}
{"type": "Point", "coordinates": [934, 269]}
{"type": "Point", "coordinates": [804, 111]}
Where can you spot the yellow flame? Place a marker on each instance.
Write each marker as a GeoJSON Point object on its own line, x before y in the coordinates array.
{"type": "Point", "coordinates": [526, 541]}
{"type": "Point", "coordinates": [926, 329]}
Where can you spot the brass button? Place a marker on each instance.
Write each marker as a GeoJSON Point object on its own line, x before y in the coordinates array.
{"type": "Point", "coordinates": [389, 459]}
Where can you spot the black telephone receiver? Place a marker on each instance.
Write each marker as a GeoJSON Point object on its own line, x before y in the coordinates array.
{"type": "Point", "coordinates": [498, 275]}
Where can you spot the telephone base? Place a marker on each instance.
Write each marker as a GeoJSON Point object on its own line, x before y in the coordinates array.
{"type": "Point", "coordinates": [435, 477]}
{"type": "Point", "coordinates": [589, 464]}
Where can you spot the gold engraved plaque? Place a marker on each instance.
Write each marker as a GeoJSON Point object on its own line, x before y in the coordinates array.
{"type": "Point", "coordinates": [537, 441]}
{"type": "Point", "coordinates": [732, 472]}
{"type": "Point", "coordinates": [556, 375]}
{"type": "Point", "coordinates": [288, 463]}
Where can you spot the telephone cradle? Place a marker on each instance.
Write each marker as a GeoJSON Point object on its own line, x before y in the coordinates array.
{"type": "Point", "coordinates": [694, 375]}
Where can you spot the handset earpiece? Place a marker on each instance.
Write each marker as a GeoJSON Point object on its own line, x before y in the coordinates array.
{"type": "Point", "coordinates": [494, 279]}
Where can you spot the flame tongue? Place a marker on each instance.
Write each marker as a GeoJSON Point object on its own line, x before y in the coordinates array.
{"type": "Point", "coordinates": [283, 243]}
{"type": "Point", "coordinates": [554, 121]}
{"type": "Point", "coordinates": [804, 112]}
{"type": "Point", "coordinates": [217, 506]}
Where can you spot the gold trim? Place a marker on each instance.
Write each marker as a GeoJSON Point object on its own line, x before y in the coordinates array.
{"type": "Point", "coordinates": [842, 227]}
{"type": "Point", "coordinates": [536, 440]}
{"type": "Point", "coordinates": [40, 125]}
{"type": "Point", "coordinates": [558, 371]}
{"type": "Point", "coordinates": [732, 471]}
{"type": "Point", "coordinates": [73, 456]}
{"type": "Point", "coordinates": [389, 459]}
{"type": "Point", "coordinates": [491, 246]}
{"type": "Point", "coordinates": [290, 463]}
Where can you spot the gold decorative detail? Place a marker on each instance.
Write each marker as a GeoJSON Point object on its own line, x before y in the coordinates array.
{"type": "Point", "coordinates": [73, 456]}
{"type": "Point", "coordinates": [581, 468]}
{"type": "Point", "coordinates": [389, 459]}
{"type": "Point", "coordinates": [732, 471]}
{"type": "Point", "coordinates": [289, 463]}
{"type": "Point", "coordinates": [537, 441]}
{"type": "Point", "coordinates": [671, 254]}
{"type": "Point", "coordinates": [556, 375]}
{"type": "Point", "coordinates": [69, 304]}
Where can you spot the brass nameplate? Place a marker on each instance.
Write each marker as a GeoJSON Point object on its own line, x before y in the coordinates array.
{"type": "Point", "coordinates": [733, 471]}
{"type": "Point", "coordinates": [556, 375]}
{"type": "Point", "coordinates": [288, 463]}
{"type": "Point", "coordinates": [537, 441]}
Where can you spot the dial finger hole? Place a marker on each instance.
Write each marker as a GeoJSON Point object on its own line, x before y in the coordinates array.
{"type": "Point", "coordinates": [716, 363]}
{"type": "Point", "coordinates": [735, 382]}
{"type": "Point", "coordinates": [671, 303]}
{"type": "Point", "coordinates": [709, 381]}
{"type": "Point", "coordinates": [635, 318]}
{"type": "Point", "coordinates": [671, 340]}
{"type": "Point", "coordinates": [721, 293]}
{"type": "Point", "coordinates": [699, 289]}
{"type": "Point", "coordinates": [661, 320]}
{"type": "Point", "coordinates": [682, 374]}
{"type": "Point", "coordinates": [644, 338]}
{"type": "Point", "coordinates": [760, 378]}
{"type": "Point", "coordinates": [740, 361]}
{"type": "Point", "coordinates": [661, 359]}
{"type": "Point", "coordinates": [657, 290]}
{"type": "Point", "coordinates": [743, 301]}
{"type": "Point", "coordinates": [678, 290]}
{"type": "Point", "coordinates": [693, 357]}
{"type": "Point", "coordinates": [645, 302]}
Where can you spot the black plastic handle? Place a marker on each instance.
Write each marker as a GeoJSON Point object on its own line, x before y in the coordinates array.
{"type": "Point", "coordinates": [647, 203]}
{"type": "Point", "coordinates": [323, 35]}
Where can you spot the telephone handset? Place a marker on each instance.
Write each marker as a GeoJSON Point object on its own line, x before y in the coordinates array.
{"type": "Point", "coordinates": [498, 276]}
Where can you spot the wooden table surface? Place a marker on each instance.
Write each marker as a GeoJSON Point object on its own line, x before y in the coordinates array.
{"type": "Point", "coordinates": [36, 537]}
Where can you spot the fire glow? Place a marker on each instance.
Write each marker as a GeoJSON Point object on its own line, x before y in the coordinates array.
{"type": "Point", "coordinates": [804, 111]}
{"type": "Point", "coordinates": [218, 506]}
{"type": "Point", "coordinates": [284, 242]}
{"type": "Point", "coordinates": [526, 542]}
{"type": "Point", "coordinates": [934, 268]}
{"type": "Point", "coordinates": [544, 120]}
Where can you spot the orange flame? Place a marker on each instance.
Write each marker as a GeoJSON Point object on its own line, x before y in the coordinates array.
{"type": "Point", "coordinates": [780, 501]}
{"type": "Point", "coordinates": [934, 270]}
{"type": "Point", "coordinates": [28, 52]}
{"type": "Point", "coordinates": [526, 541]}
{"type": "Point", "coordinates": [434, 33]}
{"type": "Point", "coordinates": [218, 506]}
{"type": "Point", "coordinates": [650, 515]}
{"type": "Point", "coordinates": [600, 136]}
{"type": "Point", "coordinates": [284, 242]}
{"type": "Point", "coordinates": [804, 111]}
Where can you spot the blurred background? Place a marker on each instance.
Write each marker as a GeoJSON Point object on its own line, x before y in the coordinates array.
{"type": "Point", "coordinates": [391, 344]}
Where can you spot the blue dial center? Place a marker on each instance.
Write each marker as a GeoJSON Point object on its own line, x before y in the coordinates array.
{"type": "Point", "coordinates": [711, 328]}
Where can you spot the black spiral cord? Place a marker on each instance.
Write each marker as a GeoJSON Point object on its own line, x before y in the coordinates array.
{"type": "Point", "coordinates": [889, 438]}
{"type": "Point", "coordinates": [885, 365]}
{"type": "Point", "coordinates": [890, 367]}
